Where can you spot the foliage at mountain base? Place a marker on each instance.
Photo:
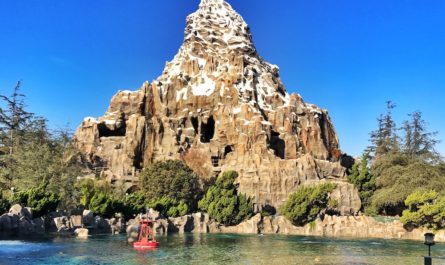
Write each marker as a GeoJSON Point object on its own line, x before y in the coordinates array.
{"type": "Point", "coordinates": [307, 202]}
{"type": "Point", "coordinates": [426, 208]}
{"type": "Point", "coordinates": [223, 202]}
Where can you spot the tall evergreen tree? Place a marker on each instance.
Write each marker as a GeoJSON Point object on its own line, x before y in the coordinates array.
{"type": "Point", "coordinates": [14, 119]}
{"type": "Point", "coordinates": [385, 139]}
{"type": "Point", "coordinates": [14, 122]}
{"type": "Point", "coordinates": [418, 142]}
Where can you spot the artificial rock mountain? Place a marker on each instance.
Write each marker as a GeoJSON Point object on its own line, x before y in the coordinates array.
{"type": "Point", "coordinates": [220, 103]}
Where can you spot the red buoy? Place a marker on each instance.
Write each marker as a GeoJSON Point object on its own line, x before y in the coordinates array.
{"type": "Point", "coordinates": [146, 236]}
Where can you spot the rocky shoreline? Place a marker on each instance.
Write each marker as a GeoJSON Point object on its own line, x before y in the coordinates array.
{"type": "Point", "coordinates": [19, 222]}
{"type": "Point", "coordinates": [357, 227]}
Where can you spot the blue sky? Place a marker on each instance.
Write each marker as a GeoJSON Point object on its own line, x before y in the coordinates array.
{"type": "Point", "coordinates": [346, 56]}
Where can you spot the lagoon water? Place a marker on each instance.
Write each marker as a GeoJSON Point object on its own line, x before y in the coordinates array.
{"type": "Point", "coordinates": [217, 249]}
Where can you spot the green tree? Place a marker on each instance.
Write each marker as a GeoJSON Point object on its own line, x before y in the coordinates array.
{"type": "Point", "coordinates": [172, 179]}
{"type": "Point", "coordinates": [38, 199]}
{"type": "Point", "coordinates": [399, 176]}
{"type": "Point", "coordinates": [4, 205]}
{"type": "Point", "coordinates": [32, 156]}
{"type": "Point", "coordinates": [426, 208]}
{"type": "Point", "coordinates": [385, 139]}
{"type": "Point", "coordinates": [363, 180]}
{"type": "Point", "coordinates": [223, 203]}
{"type": "Point", "coordinates": [86, 190]}
{"type": "Point", "coordinates": [418, 142]}
{"type": "Point", "coordinates": [47, 159]}
{"type": "Point", "coordinates": [102, 203]}
{"type": "Point", "coordinates": [307, 202]}
{"type": "Point", "coordinates": [168, 206]}
{"type": "Point", "coordinates": [14, 121]}
{"type": "Point", "coordinates": [133, 204]}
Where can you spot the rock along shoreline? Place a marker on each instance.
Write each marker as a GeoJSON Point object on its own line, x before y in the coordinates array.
{"type": "Point", "coordinates": [357, 227]}
{"type": "Point", "coordinates": [19, 223]}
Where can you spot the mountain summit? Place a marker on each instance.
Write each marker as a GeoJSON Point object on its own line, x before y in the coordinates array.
{"type": "Point", "coordinates": [218, 55]}
{"type": "Point", "coordinates": [219, 106]}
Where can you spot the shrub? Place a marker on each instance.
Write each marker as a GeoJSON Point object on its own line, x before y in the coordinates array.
{"type": "Point", "coordinates": [86, 189]}
{"type": "Point", "coordinates": [168, 206]}
{"type": "Point", "coordinates": [172, 179]}
{"type": "Point", "coordinates": [268, 210]}
{"type": "Point", "coordinates": [102, 204]}
{"type": "Point", "coordinates": [38, 199]}
{"type": "Point", "coordinates": [4, 206]}
{"type": "Point", "coordinates": [425, 209]}
{"type": "Point", "coordinates": [133, 204]}
{"type": "Point", "coordinates": [223, 203]}
{"type": "Point", "coordinates": [98, 197]}
{"type": "Point", "coordinates": [307, 202]}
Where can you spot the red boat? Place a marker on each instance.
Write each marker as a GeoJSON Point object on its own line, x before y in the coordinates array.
{"type": "Point", "coordinates": [146, 236]}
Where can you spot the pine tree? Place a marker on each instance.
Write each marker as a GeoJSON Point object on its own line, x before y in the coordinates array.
{"type": "Point", "coordinates": [418, 142]}
{"type": "Point", "coordinates": [14, 121]}
{"type": "Point", "coordinates": [385, 139]}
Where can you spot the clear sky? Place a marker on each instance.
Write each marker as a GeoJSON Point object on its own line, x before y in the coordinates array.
{"type": "Point", "coordinates": [346, 56]}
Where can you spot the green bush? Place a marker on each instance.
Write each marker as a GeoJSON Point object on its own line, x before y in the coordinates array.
{"type": "Point", "coordinates": [168, 206]}
{"type": "Point", "coordinates": [223, 203]}
{"type": "Point", "coordinates": [133, 204]}
{"type": "Point", "coordinates": [98, 197]}
{"type": "Point", "coordinates": [307, 202]}
{"type": "Point", "coordinates": [425, 209]}
{"type": "Point", "coordinates": [38, 199]}
{"type": "Point", "coordinates": [172, 179]}
{"type": "Point", "coordinates": [4, 206]}
{"type": "Point", "coordinates": [86, 190]}
{"type": "Point", "coordinates": [102, 204]}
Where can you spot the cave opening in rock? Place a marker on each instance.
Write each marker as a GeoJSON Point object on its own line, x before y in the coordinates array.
{"type": "Point", "coordinates": [195, 124]}
{"type": "Point", "coordinates": [215, 161]}
{"type": "Point", "coordinates": [132, 189]}
{"type": "Point", "coordinates": [227, 150]}
{"type": "Point", "coordinates": [277, 144]}
{"type": "Point", "coordinates": [268, 210]}
{"type": "Point", "coordinates": [207, 130]}
{"type": "Point", "coordinates": [104, 131]}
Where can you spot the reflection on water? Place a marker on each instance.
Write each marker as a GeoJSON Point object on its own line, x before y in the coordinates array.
{"type": "Point", "coordinates": [217, 249]}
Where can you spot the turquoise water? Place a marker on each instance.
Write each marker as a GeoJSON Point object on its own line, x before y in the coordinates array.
{"type": "Point", "coordinates": [217, 249]}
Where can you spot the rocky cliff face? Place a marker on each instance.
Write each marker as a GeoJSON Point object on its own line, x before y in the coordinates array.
{"type": "Point", "coordinates": [220, 100]}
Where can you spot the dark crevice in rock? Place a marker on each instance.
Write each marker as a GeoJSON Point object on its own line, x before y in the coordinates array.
{"type": "Point", "coordinates": [207, 130]}
{"type": "Point", "coordinates": [323, 130]}
{"type": "Point", "coordinates": [132, 189]}
{"type": "Point", "coordinates": [195, 124]}
{"type": "Point", "coordinates": [277, 144]}
{"type": "Point", "coordinates": [347, 161]}
{"type": "Point", "coordinates": [138, 161]}
{"type": "Point", "coordinates": [227, 150]}
{"type": "Point", "coordinates": [215, 161]}
{"type": "Point", "coordinates": [105, 131]}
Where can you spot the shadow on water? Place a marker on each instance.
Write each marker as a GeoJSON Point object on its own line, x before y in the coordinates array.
{"type": "Point", "coordinates": [216, 249]}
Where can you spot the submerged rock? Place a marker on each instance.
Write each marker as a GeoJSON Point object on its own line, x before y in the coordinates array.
{"type": "Point", "coordinates": [81, 233]}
